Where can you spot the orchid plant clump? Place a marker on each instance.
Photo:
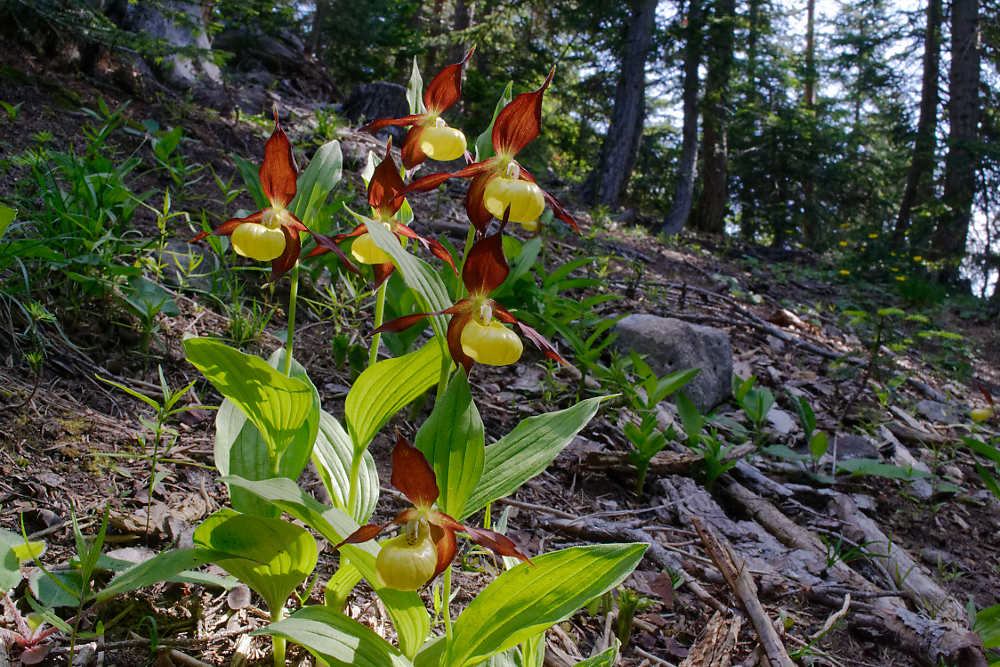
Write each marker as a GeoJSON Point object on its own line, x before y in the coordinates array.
{"type": "Point", "coordinates": [272, 422]}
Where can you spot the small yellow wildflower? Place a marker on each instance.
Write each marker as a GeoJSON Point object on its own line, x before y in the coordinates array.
{"type": "Point", "coordinates": [900, 278]}
{"type": "Point", "coordinates": [843, 244]}
{"type": "Point", "coordinates": [918, 258]}
{"type": "Point", "coordinates": [845, 272]}
{"type": "Point", "coordinates": [873, 235]}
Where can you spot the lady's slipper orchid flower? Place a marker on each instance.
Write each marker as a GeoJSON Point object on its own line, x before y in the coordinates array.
{"type": "Point", "coordinates": [500, 182]}
{"type": "Point", "coordinates": [430, 136]}
{"type": "Point", "coordinates": [383, 187]}
{"type": "Point", "coordinates": [474, 334]}
{"type": "Point", "coordinates": [271, 235]}
{"type": "Point", "coordinates": [426, 546]}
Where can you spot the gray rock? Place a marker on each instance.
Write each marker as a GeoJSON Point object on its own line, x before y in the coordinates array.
{"type": "Point", "coordinates": [379, 99]}
{"type": "Point", "coordinates": [781, 421]}
{"type": "Point", "coordinates": [939, 412]}
{"type": "Point", "coordinates": [921, 489]}
{"type": "Point", "coordinates": [178, 70]}
{"type": "Point", "coordinates": [854, 447]}
{"type": "Point", "coordinates": [671, 345]}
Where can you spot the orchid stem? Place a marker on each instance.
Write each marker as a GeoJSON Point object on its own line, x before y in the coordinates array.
{"type": "Point", "coordinates": [293, 296]}
{"type": "Point", "coordinates": [446, 604]}
{"type": "Point", "coordinates": [278, 644]}
{"type": "Point", "coordinates": [379, 315]}
{"type": "Point", "coordinates": [352, 492]}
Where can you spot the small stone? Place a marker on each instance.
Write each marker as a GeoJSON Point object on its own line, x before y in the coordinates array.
{"type": "Point", "coordinates": [938, 412]}
{"type": "Point", "coordinates": [921, 489]}
{"type": "Point", "coordinates": [781, 421]}
{"type": "Point", "coordinates": [853, 447]}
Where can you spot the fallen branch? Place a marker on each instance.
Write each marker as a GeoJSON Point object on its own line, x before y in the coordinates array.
{"type": "Point", "coordinates": [733, 569]}
{"type": "Point", "coordinates": [663, 463]}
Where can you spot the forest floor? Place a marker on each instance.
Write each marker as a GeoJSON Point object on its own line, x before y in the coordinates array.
{"type": "Point", "coordinates": [73, 446]}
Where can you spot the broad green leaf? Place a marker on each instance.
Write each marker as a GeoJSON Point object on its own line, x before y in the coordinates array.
{"type": "Point", "coordinates": [415, 90]}
{"type": "Point", "coordinates": [284, 409]}
{"type": "Point", "coordinates": [806, 414]}
{"type": "Point", "coordinates": [691, 419]}
{"type": "Point", "coordinates": [270, 556]}
{"type": "Point", "coordinates": [432, 295]}
{"type": "Point", "coordinates": [241, 450]}
{"type": "Point", "coordinates": [526, 451]}
{"type": "Point", "coordinates": [784, 452]}
{"type": "Point", "coordinates": [606, 658]}
{"type": "Point", "coordinates": [7, 215]}
{"type": "Point", "coordinates": [58, 588]}
{"type": "Point", "coordinates": [879, 469]}
{"type": "Point", "coordinates": [989, 480]}
{"type": "Point", "coordinates": [336, 639]}
{"type": "Point", "coordinates": [453, 440]}
{"type": "Point", "coordinates": [818, 444]}
{"type": "Point", "coordinates": [484, 142]}
{"type": "Point", "coordinates": [170, 565]}
{"type": "Point", "coordinates": [251, 178]}
{"type": "Point", "coordinates": [987, 624]}
{"type": "Point", "coordinates": [532, 650]}
{"type": "Point", "coordinates": [526, 600]}
{"type": "Point", "coordinates": [14, 550]}
{"type": "Point", "coordinates": [980, 447]}
{"type": "Point", "coordinates": [668, 384]}
{"type": "Point", "coordinates": [332, 455]}
{"type": "Point", "coordinates": [147, 298]}
{"type": "Point", "coordinates": [405, 607]}
{"type": "Point", "coordinates": [385, 387]}
{"type": "Point", "coordinates": [340, 585]}
{"type": "Point", "coordinates": [316, 182]}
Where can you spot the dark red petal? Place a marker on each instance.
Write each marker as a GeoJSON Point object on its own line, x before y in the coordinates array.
{"type": "Point", "coordinates": [445, 89]}
{"type": "Point", "coordinates": [500, 544]}
{"type": "Point", "coordinates": [475, 205]}
{"type": "Point", "coordinates": [278, 172]}
{"type": "Point", "coordinates": [446, 546]}
{"type": "Point", "coordinates": [385, 183]}
{"type": "Point", "coordinates": [378, 124]}
{"type": "Point", "coordinates": [362, 534]}
{"type": "Point", "coordinates": [226, 228]}
{"type": "Point", "coordinates": [412, 153]}
{"type": "Point", "coordinates": [401, 323]}
{"type": "Point", "coordinates": [290, 221]}
{"type": "Point", "coordinates": [541, 342]}
{"type": "Point", "coordinates": [412, 474]}
{"type": "Point", "coordinates": [283, 263]}
{"type": "Point", "coordinates": [443, 520]}
{"type": "Point", "coordinates": [454, 335]}
{"type": "Point", "coordinates": [485, 266]}
{"type": "Point", "coordinates": [382, 272]}
{"type": "Point", "coordinates": [325, 244]}
{"type": "Point", "coordinates": [431, 181]}
{"type": "Point", "coordinates": [463, 306]}
{"type": "Point", "coordinates": [502, 313]}
{"type": "Point", "coordinates": [519, 122]}
{"type": "Point", "coordinates": [431, 245]}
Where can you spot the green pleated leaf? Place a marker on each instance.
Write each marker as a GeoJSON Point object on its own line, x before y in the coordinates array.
{"type": "Point", "coordinates": [285, 407]}
{"type": "Point", "coordinates": [14, 550]}
{"type": "Point", "coordinates": [332, 455]}
{"type": "Point", "coordinates": [526, 451]}
{"type": "Point", "coordinates": [406, 609]}
{"type": "Point", "coordinates": [606, 658]}
{"type": "Point", "coordinates": [171, 565]}
{"type": "Point", "coordinates": [316, 182]}
{"type": "Point", "coordinates": [453, 440]}
{"type": "Point", "coordinates": [250, 173]}
{"type": "Point", "coordinates": [484, 142]}
{"type": "Point", "coordinates": [340, 585]}
{"type": "Point", "coordinates": [7, 215]}
{"type": "Point", "coordinates": [526, 600]}
{"type": "Point", "coordinates": [270, 556]}
{"type": "Point", "coordinates": [386, 387]}
{"type": "Point", "coordinates": [432, 294]}
{"type": "Point", "coordinates": [336, 639]}
{"type": "Point", "coordinates": [415, 90]}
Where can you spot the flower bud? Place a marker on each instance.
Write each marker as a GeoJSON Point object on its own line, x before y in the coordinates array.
{"type": "Point", "coordinates": [525, 199]}
{"type": "Point", "coordinates": [258, 241]}
{"type": "Point", "coordinates": [441, 142]}
{"type": "Point", "coordinates": [365, 251]}
{"type": "Point", "coordinates": [407, 561]}
{"type": "Point", "coordinates": [492, 344]}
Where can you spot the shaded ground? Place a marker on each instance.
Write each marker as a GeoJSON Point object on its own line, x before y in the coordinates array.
{"type": "Point", "coordinates": [77, 446]}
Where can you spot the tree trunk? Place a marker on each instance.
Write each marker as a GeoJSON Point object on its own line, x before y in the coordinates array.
{"type": "Point", "coordinates": [963, 119]}
{"type": "Point", "coordinates": [621, 144]}
{"type": "Point", "coordinates": [465, 14]}
{"type": "Point", "coordinates": [810, 226]}
{"type": "Point", "coordinates": [684, 185]}
{"type": "Point", "coordinates": [920, 174]}
{"type": "Point", "coordinates": [322, 10]}
{"type": "Point", "coordinates": [709, 216]}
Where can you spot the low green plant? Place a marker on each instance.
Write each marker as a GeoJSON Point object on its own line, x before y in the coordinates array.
{"type": "Point", "coordinates": [147, 300]}
{"type": "Point", "coordinates": [12, 110]}
{"type": "Point", "coordinates": [755, 401]}
{"type": "Point", "coordinates": [711, 445]}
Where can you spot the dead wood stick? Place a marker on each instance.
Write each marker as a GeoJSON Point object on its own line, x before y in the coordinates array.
{"type": "Point", "coordinates": [733, 569]}
{"type": "Point", "coordinates": [663, 463]}
{"type": "Point", "coordinates": [603, 531]}
{"type": "Point", "coordinates": [715, 646]}
{"type": "Point", "coordinates": [929, 640]}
